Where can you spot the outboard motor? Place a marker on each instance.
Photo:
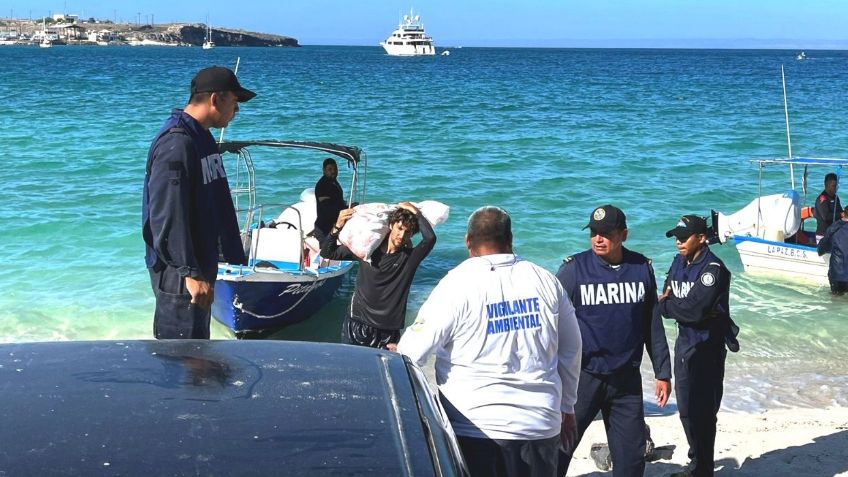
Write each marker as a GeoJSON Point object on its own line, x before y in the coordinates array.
{"type": "Point", "coordinates": [712, 229]}
{"type": "Point", "coordinates": [771, 217]}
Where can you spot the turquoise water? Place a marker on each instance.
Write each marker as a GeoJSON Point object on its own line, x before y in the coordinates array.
{"type": "Point", "coordinates": [547, 134]}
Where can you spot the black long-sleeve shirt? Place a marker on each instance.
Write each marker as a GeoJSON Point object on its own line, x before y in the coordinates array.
{"type": "Point", "coordinates": [382, 286]}
{"type": "Point", "coordinates": [329, 201]}
{"type": "Point", "coordinates": [826, 211]}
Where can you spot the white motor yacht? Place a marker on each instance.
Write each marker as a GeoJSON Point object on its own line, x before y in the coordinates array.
{"type": "Point", "coordinates": [409, 39]}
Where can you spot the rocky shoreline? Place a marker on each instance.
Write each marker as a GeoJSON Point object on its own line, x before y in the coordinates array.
{"type": "Point", "coordinates": [170, 34]}
{"type": "Point", "coordinates": [195, 34]}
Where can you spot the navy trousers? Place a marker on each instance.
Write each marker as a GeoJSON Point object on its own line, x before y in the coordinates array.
{"type": "Point", "coordinates": [699, 385]}
{"type": "Point", "coordinates": [619, 399]}
{"type": "Point", "coordinates": [510, 458]}
{"type": "Point", "coordinates": [175, 316]}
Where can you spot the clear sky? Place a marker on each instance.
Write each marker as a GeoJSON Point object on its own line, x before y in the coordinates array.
{"type": "Point", "coordinates": [555, 23]}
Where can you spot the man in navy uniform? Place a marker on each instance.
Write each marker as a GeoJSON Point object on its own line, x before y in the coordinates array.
{"type": "Point", "coordinates": [614, 293]}
{"type": "Point", "coordinates": [696, 295]}
{"type": "Point", "coordinates": [835, 241]}
{"type": "Point", "coordinates": [189, 222]}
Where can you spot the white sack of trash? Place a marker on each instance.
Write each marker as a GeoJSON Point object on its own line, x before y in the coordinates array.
{"type": "Point", "coordinates": [369, 225]}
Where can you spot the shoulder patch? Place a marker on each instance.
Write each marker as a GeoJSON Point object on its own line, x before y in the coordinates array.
{"type": "Point", "coordinates": [568, 259]}
{"type": "Point", "coordinates": [708, 279]}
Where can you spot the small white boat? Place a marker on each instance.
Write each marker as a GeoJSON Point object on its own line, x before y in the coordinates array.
{"type": "Point", "coordinates": [769, 232]}
{"type": "Point", "coordinates": [286, 280]}
{"type": "Point", "coordinates": [409, 39]}
{"type": "Point", "coordinates": [208, 44]}
{"type": "Point", "coordinates": [45, 43]}
{"type": "Point", "coordinates": [446, 53]}
{"type": "Point", "coordinates": [801, 56]}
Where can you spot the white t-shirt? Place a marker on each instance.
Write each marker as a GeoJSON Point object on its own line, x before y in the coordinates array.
{"type": "Point", "coordinates": [507, 348]}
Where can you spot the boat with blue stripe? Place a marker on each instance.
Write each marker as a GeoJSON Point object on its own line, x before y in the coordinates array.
{"type": "Point", "coordinates": [769, 233]}
{"type": "Point", "coordinates": [285, 280]}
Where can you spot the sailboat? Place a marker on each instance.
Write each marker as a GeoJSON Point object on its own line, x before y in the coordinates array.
{"type": "Point", "coordinates": [208, 44]}
{"type": "Point", "coordinates": [45, 40]}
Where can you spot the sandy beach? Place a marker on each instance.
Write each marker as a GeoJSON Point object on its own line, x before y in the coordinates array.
{"type": "Point", "coordinates": [783, 442]}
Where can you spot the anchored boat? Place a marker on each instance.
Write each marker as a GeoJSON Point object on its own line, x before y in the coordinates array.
{"type": "Point", "coordinates": [409, 39]}
{"type": "Point", "coordinates": [285, 280]}
{"type": "Point", "coordinates": [769, 232]}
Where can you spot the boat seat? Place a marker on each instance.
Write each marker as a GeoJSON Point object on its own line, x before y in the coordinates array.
{"type": "Point", "coordinates": [280, 244]}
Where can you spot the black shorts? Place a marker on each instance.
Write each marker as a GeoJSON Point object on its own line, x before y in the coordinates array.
{"type": "Point", "coordinates": [357, 333]}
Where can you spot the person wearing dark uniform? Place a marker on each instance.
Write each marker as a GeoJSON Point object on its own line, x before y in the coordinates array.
{"type": "Point", "coordinates": [188, 218]}
{"type": "Point", "coordinates": [835, 241]}
{"type": "Point", "coordinates": [827, 206]}
{"type": "Point", "coordinates": [329, 199]}
{"type": "Point", "coordinates": [614, 293]}
{"type": "Point", "coordinates": [377, 310]}
{"type": "Point", "coordinates": [696, 295]}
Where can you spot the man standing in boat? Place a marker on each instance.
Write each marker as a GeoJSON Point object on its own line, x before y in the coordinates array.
{"type": "Point", "coordinates": [614, 293]}
{"type": "Point", "coordinates": [377, 310]}
{"type": "Point", "coordinates": [188, 218]}
{"type": "Point", "coordinates": [827, 207]}
{"type": "Point", "coordinates": [329, 200]}
{"type": "Point", "coordinates": [696, 295]}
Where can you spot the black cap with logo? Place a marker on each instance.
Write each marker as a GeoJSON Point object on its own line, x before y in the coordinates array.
{"type": "Point", "coordinates": [688, 226]}
{"type": "Point", "coordinates": [607, 218]}
{"type": "Point", "coordinates": [218, 78]}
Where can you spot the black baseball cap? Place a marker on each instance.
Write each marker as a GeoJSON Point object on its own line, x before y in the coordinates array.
{"type": "Point", "coordinates": [607, 218]}
{"type": "Point", "coordinates": [219, 78]}
{"type": "Point", "coordinates": [687, 226]}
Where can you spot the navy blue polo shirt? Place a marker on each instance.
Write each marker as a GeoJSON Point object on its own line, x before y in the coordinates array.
{"type": "Point", "coordinates": [614, 306]}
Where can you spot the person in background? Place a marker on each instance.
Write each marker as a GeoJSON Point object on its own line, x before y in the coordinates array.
{"type": "Point", "coordinates": [614, 293]}
{"type": "Point", "coordinates": [507, 351]}
{"type": "Point", "coordinates": [377, 310]}
{"type": "Point", "coordinates": [827, 207]}
{"type": "Point", "coordinates": [835, 242]}
{"type": "Point", "coordinates": [329, 199]}
{"type": "Point", "coordinates": [696, 295]}
{"type": "Point", "coordinates": [188, 218]}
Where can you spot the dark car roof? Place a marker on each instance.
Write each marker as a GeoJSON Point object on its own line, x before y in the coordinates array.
{"type": "Point", "coordinates": [208, 408]}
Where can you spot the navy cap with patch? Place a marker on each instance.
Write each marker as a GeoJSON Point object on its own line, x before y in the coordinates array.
{"type": "Point", "coordinates": [607, 218]}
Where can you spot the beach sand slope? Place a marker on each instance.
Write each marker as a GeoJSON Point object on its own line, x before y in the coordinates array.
{"type": "Point", "coordinates": [783, 442]}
